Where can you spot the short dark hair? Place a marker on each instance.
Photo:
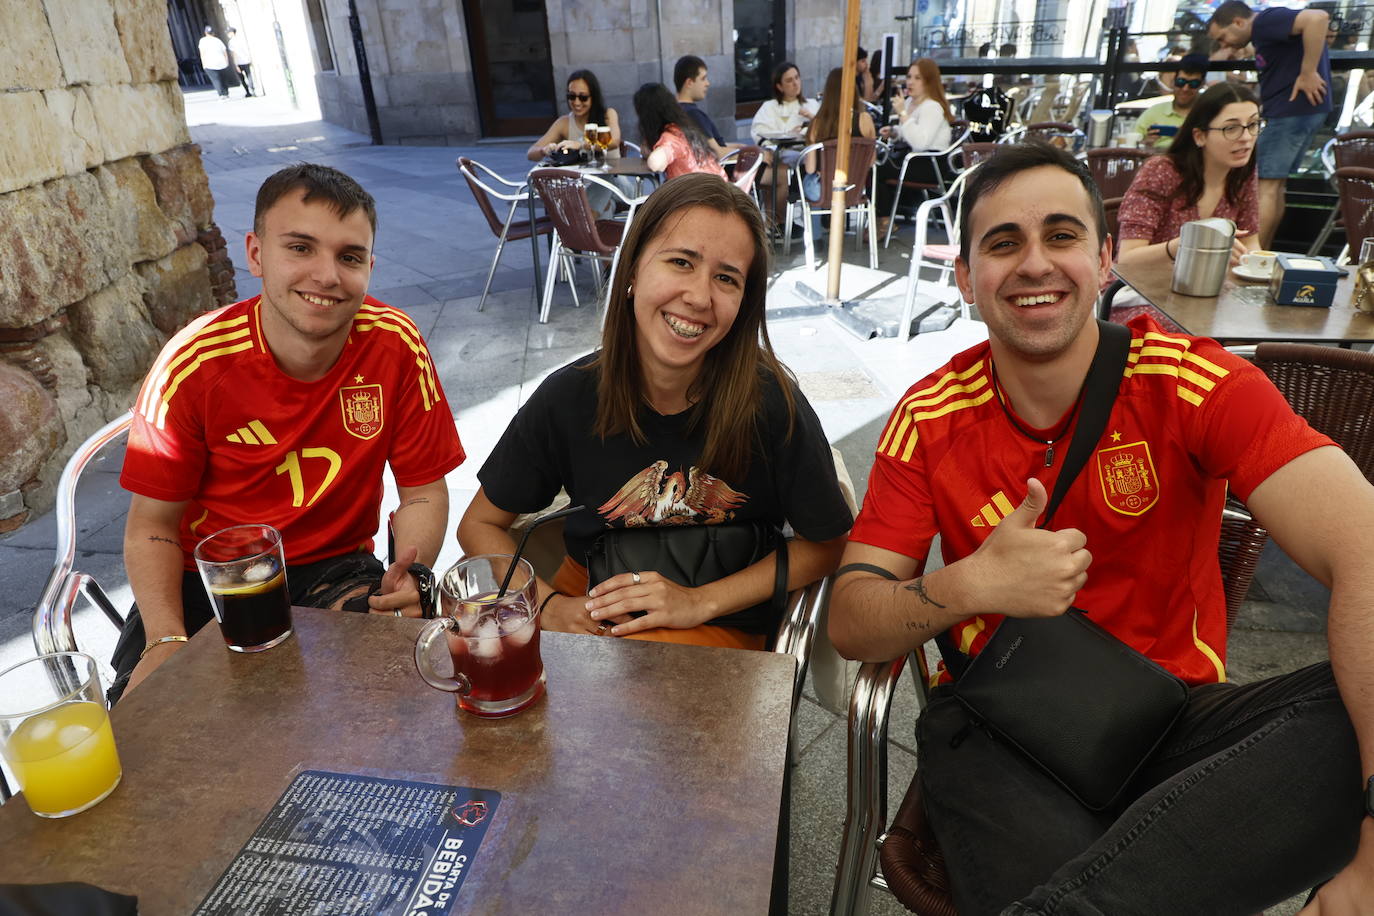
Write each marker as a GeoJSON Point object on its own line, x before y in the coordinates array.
{"type": "Point", "coordinates": [862, 53]}
{"type": "Point", "coordinates": [1011, 159]}
{"type": "Point", "coordinates": [687, 68]}
{"type": "Point", "coordinates": [1193, 63]}
{"type": "Point", "coordinates": [1229, 12]}
{"type": "Point", "coordinates": [342, 193]}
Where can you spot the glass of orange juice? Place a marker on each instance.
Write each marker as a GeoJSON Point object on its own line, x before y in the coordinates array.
{"type": "Point", "coordinates": [55, 733]}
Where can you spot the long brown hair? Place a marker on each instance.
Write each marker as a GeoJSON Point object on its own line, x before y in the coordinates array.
{"type": "Point", "coordinates": [727, 395]}
{"type": "Point", "coordinates": [1186, 155]}
{"type": "Point", "coordinates": [826, 124]}
{"type": "Point", "coordinates": [935, 87]}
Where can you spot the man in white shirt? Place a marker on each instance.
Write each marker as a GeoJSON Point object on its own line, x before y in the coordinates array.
{"type": "Point", "coordinates": [243, 61]}
{"type": "Point", "coordinates": [214, 60]}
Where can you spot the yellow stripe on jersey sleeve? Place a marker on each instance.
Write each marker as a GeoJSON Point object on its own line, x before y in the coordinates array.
{"type": "Point", "coordinates": [160, 419]}
{"type": "Point", "coordinates": [902, 416]}
{"type": "Point", "coordinates": [390, 319]}
{"type": "Point", "coordinates": [168, 361]}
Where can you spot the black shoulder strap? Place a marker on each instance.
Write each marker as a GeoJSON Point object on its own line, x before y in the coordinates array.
{"type": "Point", "coordinates": [1099, 393]}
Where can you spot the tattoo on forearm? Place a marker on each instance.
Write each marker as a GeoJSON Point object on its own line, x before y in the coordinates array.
{"type": "Point", "coordinates": [410, 502]}
{"type": "Point", "coordinates": [921, 625]}
{"type": "Point", "coordinates": [158, 537]}
{"type": "Point", "coordinates": [918, 586]}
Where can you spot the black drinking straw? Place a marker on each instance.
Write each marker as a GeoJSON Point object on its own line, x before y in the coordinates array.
{"type": "Point", "coordinates": [520, 548]}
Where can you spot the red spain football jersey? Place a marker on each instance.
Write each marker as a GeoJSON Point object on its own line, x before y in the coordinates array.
{"type": "Point", "coordinates": [1189, 419]}
{"type": "Point", "coordinates": [219, 424]}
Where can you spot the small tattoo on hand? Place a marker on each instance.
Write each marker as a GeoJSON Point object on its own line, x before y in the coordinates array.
{"type": "Point", "coordinates": [918, 586]}
{"type": "Point", "coordinates": [158, 537]}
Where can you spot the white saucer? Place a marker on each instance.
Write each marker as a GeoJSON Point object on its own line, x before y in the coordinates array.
{"type": "Point", "coordinates": [1246, 272]}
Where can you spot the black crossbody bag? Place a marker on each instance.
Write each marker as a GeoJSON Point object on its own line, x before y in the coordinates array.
{"type": "Point", "coordinates": [1076, 701]}
{"type": "Point", "coordinates": [693, 555]}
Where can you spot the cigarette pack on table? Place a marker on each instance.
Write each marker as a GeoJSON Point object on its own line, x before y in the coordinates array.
{"type": "Point", "coordinates": [1301, 280]}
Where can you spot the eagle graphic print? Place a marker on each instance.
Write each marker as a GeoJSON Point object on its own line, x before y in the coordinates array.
{"type": "Point", "coordinates": [656, 497]}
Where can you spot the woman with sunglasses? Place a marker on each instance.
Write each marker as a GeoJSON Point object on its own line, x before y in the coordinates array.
{"type": "Point", "coordinates": [1208, 171]}
{"type": "Point", "coordinates": [586, 105]}
{"type": "Point", "coordinates": [683, 417]}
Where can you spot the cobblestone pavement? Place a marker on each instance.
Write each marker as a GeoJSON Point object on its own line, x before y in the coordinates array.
{"type": "Point", "coordinates": [433, 251]}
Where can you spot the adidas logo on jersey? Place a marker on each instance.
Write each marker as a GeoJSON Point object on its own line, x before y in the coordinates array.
{"type": "Point", "coordinates": [993, 511]}
{"type": "Point", "coordinates": [255, 433]}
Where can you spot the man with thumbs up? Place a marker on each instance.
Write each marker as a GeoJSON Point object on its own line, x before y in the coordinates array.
{"type": "Point", "coordinates": [1272, 774]}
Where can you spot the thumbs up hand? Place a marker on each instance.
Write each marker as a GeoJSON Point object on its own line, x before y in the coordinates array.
{"type": "Point", "coordinates": [1025, 571]}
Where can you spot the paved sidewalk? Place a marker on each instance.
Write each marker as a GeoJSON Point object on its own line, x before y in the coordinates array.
{"type": "Point", "coordinates": [433, 250]}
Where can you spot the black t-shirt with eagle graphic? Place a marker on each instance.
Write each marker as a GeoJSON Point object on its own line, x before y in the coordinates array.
{"type": "Point", "coordinates": [551, 444]}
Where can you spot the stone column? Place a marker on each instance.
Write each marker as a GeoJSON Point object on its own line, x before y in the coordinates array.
{"type": "Point", "coordinates": [105, 227]}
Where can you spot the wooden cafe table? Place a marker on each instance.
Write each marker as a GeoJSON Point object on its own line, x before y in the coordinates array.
{"type": "Point", "coordinates": [1243, 311]}
{"type": "Point", "coordinates": [648, 779]}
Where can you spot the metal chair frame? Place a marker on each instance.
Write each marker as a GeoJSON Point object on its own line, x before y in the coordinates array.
{"type": "Point", "coordinates": [744, 178]}
{"type": "Point", "coordinates": [561, 252]}
{"type": "Point", "coordinates": [514, 194]}
{"type": "Point", "coordinates": [933, 157]}
{"type": "Point", "coordinates": [864, 209]}
{"type": "Point", "coordinates": [947, 206]}
{"type": "Point", "coordinates": [52, 619]}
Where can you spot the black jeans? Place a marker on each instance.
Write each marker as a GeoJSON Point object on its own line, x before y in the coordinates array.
{"type": "Point", "coordinates": [1253, 797]}
{"type": "Point", "coordinates": [317, 584]}
{"type": "Point", "coordinates": [246, 79]}
{"type": "Point", "coordinates": [217, 78]}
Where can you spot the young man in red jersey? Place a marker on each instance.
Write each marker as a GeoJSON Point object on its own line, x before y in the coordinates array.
{"type": "Point", "coordinates": [1259, 791]}
{"type": "Point", "coordinates": [284, 409]}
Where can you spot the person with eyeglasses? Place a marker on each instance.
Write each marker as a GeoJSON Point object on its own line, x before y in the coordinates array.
{"type": "Point", "coordinates": [586, 105]}
{"type": "Point", "coordinates": [1161, 122]}
{"type": "Point", "coordinates": [1209, 170]}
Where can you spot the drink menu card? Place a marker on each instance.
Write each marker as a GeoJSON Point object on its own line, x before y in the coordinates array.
{"type": "Point", "coordinates": [342, 844]}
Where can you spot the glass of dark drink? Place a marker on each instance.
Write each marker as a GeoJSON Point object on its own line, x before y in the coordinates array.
{"type": "Point", "coordinates": [244, 571]}
{"type": "Point", "coordinates": [493, 642]}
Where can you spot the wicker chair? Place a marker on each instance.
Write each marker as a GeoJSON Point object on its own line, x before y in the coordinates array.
{"type": "Point", "coordinates": [858, 196]}
{"type": "Point", "coordinates": [1352, 148]}
{"type": "Point", "coordinates": [1114, 168]}
{"type": "Point", "coordinates": [1332, 388]}
{"type": "Point", "coordinates": [1355, 184]}
{"type": "Point", "coordinates": [577, 231]}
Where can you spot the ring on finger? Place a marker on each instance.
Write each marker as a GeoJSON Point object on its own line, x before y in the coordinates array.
{"type": "Point", "coordinates": [634, 577]}
{"type": "Point", "coordinates": [398, 612]}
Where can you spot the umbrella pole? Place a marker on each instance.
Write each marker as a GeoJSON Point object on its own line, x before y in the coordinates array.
{"type": "Point", "coordinates": [837, 190]}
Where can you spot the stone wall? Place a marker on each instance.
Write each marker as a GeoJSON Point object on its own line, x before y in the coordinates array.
{"type": "Point", "coordinates": [107, 243]}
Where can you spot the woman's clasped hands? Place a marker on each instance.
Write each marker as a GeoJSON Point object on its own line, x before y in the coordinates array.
{"type": "Point", "coordinates": [664, 603]}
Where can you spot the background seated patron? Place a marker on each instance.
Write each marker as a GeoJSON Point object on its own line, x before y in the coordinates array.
{"type": "Point", "coordinates": [1209, 171]}
{"type": "Point", "coordinates": [677, 143]}
{"type": "Point", "coordinates": [586, 105]}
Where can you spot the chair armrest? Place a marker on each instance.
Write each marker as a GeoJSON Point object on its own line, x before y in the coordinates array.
{"type": "Point", "coordinates": [797, 634]}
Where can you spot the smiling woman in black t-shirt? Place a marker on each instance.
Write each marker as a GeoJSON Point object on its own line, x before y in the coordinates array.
{"type": "Point", "coordinates": [684, 416]}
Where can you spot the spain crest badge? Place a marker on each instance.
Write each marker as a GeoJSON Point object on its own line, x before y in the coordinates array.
{"type": "Point", "coordinates": [1128, 478]}
{"type": "Point", "coordinates": [362, 410]}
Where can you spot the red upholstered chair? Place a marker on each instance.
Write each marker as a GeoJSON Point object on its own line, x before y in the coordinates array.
{"type": "Point", "coordinates": [577, 231]}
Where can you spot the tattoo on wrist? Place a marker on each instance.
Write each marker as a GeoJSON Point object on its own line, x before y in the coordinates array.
{"type": "Point", "coordinates": [918, 586]}
{"type": "Point", "coordinates": [158, 537]}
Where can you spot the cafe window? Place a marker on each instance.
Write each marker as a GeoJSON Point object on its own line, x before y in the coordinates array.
{"type": "Point", "coordinates": [319, 29]}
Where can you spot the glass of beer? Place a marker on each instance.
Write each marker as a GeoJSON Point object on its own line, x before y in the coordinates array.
{"type": "Point", "coordinates": [55, 733]}
{"type": "Point", "coordinates": [244, 570]}
{"type": "Point", "coordinates": [589, 134]}
{"type": "Point", "coordinates": [492, 643]}
{"type": "Point", "coordinates": [603, 140]}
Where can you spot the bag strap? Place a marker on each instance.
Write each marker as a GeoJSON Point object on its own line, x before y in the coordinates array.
{"type": "Point", "coordinates": [1099, 393]}
{"type": "Point", "coordinates": [1100, 386]}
